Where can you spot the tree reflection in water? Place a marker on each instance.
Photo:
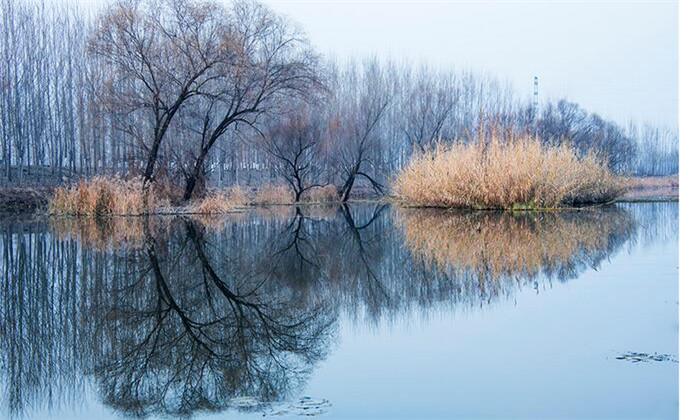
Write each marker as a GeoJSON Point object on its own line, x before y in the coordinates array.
{"type": "Point", "coordinates": [176, 316]}
{"type": "Point", "coordinates": [190, 335]}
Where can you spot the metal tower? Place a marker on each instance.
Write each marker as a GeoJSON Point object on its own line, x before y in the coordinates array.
{"type": "Point", "coordinates": [534, 105]}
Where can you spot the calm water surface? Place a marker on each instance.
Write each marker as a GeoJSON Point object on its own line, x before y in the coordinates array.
{"type": "Point", "coordinates": [342, 312]}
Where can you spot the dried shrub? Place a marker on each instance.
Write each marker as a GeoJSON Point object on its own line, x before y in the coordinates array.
{"type": "Point", "coordinates": [325, 194]}
{"type": "Point", "coordinates": [214, 203]}
{"type": "Point", "coordinates": [221, 201]}
{"type": "Point", "coordinates": [273, 194]}
{"type": "Point", "coordinates": [516, 172]}
{"type": "Point", "coordinates": [101, 196]}
{"type": "Point", "coordinates": [237, 195]}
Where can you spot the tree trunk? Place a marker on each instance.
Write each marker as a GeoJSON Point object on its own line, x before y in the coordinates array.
{"type": "Point", "coordinates": [347, 188]}
{"type": "Point", "coordinates": [151, 162]}
{"type": "Point", "coordinates": [189, 188]}
{"type": "Point", "coordinates": [192, 180]}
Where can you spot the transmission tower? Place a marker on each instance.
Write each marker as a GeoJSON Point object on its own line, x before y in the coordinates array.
{"type": "Point", "coordinates": [534, 105]}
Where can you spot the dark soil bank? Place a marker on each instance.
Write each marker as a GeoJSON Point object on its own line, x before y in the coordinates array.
{"type": "Point", "coordinates": [23, 199]}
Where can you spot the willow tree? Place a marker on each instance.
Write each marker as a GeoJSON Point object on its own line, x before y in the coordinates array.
{"type": "Point", "coordinates": [358, 111]}
{"type": "Point", "coordinates": [274, 65]}
{"type": "Point", "coordinates": [161, 53]}
{"type": "Point", "coordinates": [295, 143]}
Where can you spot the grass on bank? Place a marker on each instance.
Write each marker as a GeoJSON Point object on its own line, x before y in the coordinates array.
{"type": "Point", "coordinates": [100, 196]}
{"type": "Point", "coordinates": [320, 195]}
{"type": "Point", "coordinates": [273, 194]}
{"type": "Point", "coordinates": [513, 173]}
{"type": "Point", "coordinates": [221, 201]}
{"type": "Point", "coordinates": [225, 200]}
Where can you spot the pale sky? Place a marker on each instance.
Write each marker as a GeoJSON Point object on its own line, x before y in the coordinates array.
{"type": "Point", "coordinates": [618, 58]}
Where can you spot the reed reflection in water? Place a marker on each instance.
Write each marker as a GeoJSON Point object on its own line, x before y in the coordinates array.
{"type": "Point", "coordinates": [178, 316]}
{"type": "Point", "coordinates": [494, 245]}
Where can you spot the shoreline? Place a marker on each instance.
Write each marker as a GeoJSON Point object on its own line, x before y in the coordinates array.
{"type": "Point", "coordinates": [184, 211]}
{"type": "Point", "coordinates": [34, 200]}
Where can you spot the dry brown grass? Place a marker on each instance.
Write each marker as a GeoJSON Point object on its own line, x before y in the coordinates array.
{"type": "Point", "coordinates": [325, 194]}
{"type": "Point", "coordinates": [273, 194]}
{"type": "Point", "coordinates": [213, 203]}
{"type": "Point", "coordinates": [221, 201]}
{"type": "Point", "coordinates": [101, 196]}
{"type": "Point", "coordinates": [503, 244]}
{"type": "Point", "coordinates": [237, 195]}
{"type": "Point", "coordinates": [517, 172]}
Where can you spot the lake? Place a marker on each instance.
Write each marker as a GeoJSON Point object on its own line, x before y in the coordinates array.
{"type": "Point", "coordinates": [347, 312]}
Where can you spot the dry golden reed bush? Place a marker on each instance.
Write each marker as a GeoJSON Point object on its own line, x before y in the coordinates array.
{"type": "Point", "coordinates": [221, 201]}
{"type": "Point", "coordinates": [213, 203]}
{"type": "Point", "coordinates": [101, 196]}
{"type": "Point", "coordinates": [325, 194]}
{"type": "Point", "coordinates": [506, 244]}
{"type": "Point", "coordinates": [237, 195]}
{"type": "Point", "coordinates": [505, 173]}
{"type": "Point", "coordinates": [273, 194]}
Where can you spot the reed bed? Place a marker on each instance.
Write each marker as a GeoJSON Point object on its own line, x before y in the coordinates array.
{"type": "Point", "coordinates": [101, 196]}
{"type": "Point", "coordinates": [270, 194]}
{"type": "Point", "coordinates": [505, 173]}
{"type": "Point", "coordinates": [237, 195]}
{"type": "Point", "coordinates": [221, 201]}
{"type": "Point", "coordinates": [324, 194]}
{"type": "Point", "coordinates": [214, 203]}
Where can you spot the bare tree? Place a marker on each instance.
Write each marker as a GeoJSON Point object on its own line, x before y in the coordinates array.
{"type": "Point", "coordinates": [162, 53]}
{"type": "Point", "coordinates": [429, 103]}
{"type": "Point", "coordinates": [296, 143]}
{"type": "Point", "coordinates": [168, 84]}
{"type": "Point", "coordinates": [274, 64]}
{"type": "Point", "coordinates": [362, 101]}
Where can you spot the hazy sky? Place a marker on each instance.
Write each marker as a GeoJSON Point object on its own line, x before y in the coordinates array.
{"type": "Point", "coordinates": [619, 58]}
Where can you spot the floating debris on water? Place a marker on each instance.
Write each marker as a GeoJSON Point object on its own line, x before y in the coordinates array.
{"type": "Point", "coordinates": [305, 406]}
{"type": "Point", "coordinates": [245, 402]}
{"type": "Point", "coordinates": [636, 357]}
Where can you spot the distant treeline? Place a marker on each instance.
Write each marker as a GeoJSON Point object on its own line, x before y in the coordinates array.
{"type": "Point", "coordinates": [195, 93]}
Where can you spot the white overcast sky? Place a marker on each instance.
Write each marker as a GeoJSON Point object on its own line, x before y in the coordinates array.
{"type": "Point", "coordinates": [618, 58]}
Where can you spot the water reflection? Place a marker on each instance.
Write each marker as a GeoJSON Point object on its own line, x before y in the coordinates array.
{"type": "Point", "coordinates": [187, 334]}
{"type": "Point", "coordinates": [177, 316]}
{"type": "Point", "coordinates": [504, 245]}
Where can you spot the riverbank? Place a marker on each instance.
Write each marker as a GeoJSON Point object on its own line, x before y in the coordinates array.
{"type": "Point", "coordinates": [24, 199]}
{"type": "Point", "coordinates": [35, 199]}
{"type": "Point", "coordinates": [651, 188]}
